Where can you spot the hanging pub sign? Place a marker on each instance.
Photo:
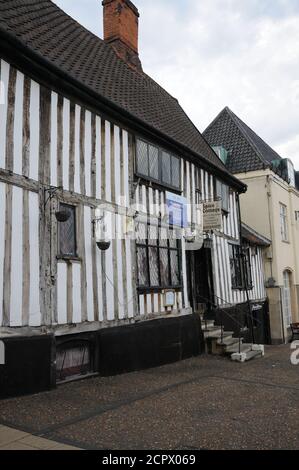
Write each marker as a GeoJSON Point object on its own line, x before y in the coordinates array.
{"type": "Point", "coordinates": [177, 210]}
{"type": "Point", "coordinates": [212, 216]}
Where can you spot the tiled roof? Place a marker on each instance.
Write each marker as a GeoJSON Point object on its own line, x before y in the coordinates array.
{"type": "Point", "coordinates": [48, 31]}
{"type": "Point", "coordinates": [246, 150]}
{"type": "Point", "coordinates": [254, 237]}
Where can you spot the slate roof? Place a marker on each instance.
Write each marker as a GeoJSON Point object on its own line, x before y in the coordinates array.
{"type": "Point", "coordinates": [254, 237]}
{"type": "Point", "coordinates": [46, 30]}
{"type": "Point", "coordinates": [247, 151]}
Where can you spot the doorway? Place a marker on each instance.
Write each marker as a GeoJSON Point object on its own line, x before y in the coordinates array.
{"type": "Point", "coordinates": [200, 280]}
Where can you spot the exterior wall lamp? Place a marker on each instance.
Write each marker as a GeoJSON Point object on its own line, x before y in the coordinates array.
{"type": "Point", "coordinates": [61, 216]}
{"type": "Point", "coordinates": [100, 228]}
{"type": "Point", "coordinates": [208, 242]}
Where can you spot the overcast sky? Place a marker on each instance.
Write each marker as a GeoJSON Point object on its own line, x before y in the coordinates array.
{"type": "Point", "coordinates": [214, 53]}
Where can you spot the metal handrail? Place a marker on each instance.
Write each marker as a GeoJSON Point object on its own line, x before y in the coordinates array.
{"type": "Point", "coordinates": [237, 308]}
{"type": "Point", "coordinates": [222, 311]}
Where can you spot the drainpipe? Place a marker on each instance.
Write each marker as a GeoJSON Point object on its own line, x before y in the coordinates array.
{"type": "Point", "coordinates": [270, 221]}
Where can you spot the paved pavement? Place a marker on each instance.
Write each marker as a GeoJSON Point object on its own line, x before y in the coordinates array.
{"type": "Point", "coordinates": [206, 402]}
{"type": "Point", "coordinates": [13, 439]}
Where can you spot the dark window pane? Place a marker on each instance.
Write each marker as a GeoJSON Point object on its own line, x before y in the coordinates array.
{"type": "Point", "coordinates": [153, 162]}
{"type": "Point", "coordinates": [164, 266]}
{"type": "Point", "coordinates": [142, 158]}
{"type": "Point", "coordinates": [154, 266]}
{"type": "Point", "coordinates": [174, 264]}
{"type": "Point", "coordinates": [225, 197]}
{"type": "Point", "coordinates": [143, 280]}
{"type": "Point", "coordinates": [166, 168]}
{"type": "Point", "coordinates": [67, 232]}
{"type": "Point", "coordinates": [248, 268]}
{"type": "Point", "coordinates": [176, 172]}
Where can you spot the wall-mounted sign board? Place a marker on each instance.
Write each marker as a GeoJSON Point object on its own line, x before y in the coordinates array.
{"type": "Point", "coordinates": [177, 210]}
{"type": "Point", "coordinates": [169, 298]}
{"type": "Point", "coordinates": [212, 216]}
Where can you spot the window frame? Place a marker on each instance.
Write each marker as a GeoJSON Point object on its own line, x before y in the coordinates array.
{"type": "Point", "coordinates": [283, 218]}
{"type": "Point", "coordinates": [242, 261]}
{"type": "Point", "coordinates": [146, 244]}
{"type": "Point", "coordinates": [220, 185]}
{"type": "Point", "coordinates": [159, 181]}
{"type": "Point", "coordinates": [74, 255]}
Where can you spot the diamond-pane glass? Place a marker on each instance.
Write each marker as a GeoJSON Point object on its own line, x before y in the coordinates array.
{"type": "Point", "coordinates": [142, 158]}
{"type": "Point", "coordinates": [153, 235]}
{"type": "Point", "coordinates": [67, 232]}
{"type": "Point", "coordinates": [154, 266]}
{"type": "Point", "coordinates": [163, 236]}
{"type": "Point", "coordinates": [141, 233]}
{"type": "Point", "coordinates": [172, 239]}
{"type": "Point", "coordinates": [174, 264]}
{"type": "Point", "coordinates": [153, 162]}
{"type": "Point", "coordinates": [176, 172]}
{"type": "Point", "coordinates": [143, 280]}
{"type": "Point", "coordinates": [164, 266]}
{"type": "Point", "coordinates": [166, 168]}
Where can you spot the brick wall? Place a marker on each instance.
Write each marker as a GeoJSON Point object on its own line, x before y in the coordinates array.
{"type": "Point", "coordinates": [121, 22]}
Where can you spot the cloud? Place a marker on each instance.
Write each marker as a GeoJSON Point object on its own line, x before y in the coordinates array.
{"type": "Point", "coordinates": [216, 53]}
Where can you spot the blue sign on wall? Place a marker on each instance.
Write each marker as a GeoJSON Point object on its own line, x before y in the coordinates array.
{"type": "Point", "coordinates": [177, 210]}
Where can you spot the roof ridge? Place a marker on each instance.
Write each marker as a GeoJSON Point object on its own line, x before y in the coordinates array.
{"type": "Point", "coordinates": [239, 123]}
{"type": "Point", "coordinates": [140, 73]}
{"type": "Point", "coordinates": [116, 84]}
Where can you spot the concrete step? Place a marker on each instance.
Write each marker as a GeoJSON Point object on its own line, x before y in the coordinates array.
{"type": "Point", "coordinates": [207, 323]}
{"type": "Point", "coordinates": [234, 348]}
{"type": "Point", "coordinates": [229, 341]}
{"type": "Point", "coordinates": [211, 331]}
{"type": "Point", "coordinates": [255, 352]}
{"type": "Point", "coordinates": [216, 335]}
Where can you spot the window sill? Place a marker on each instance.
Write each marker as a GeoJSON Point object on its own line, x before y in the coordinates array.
{"type": "Point", "coordinates": [157, 184]}
{"type": "Point", "coordinates": [157, 290]}
{"type": "Point", "coordinates": [242, 289]}
{"type": "Point", "coordinates": [286, 241]}
{"type": "Point", "coordinates": [68, 258]}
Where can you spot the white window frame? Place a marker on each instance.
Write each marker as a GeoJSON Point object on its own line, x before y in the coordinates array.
{"type": "Point", "coordinates": [283, 215]}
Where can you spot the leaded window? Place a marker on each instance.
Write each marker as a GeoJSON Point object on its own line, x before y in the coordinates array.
{"type": "Point", "coordinates": [247, 268]}
{"type": "Point", "coordinates": [157, 165]}
{"type": "Point", "coordinates": [235, 266]}
{"type": "Point", "coordinates": [67, 232]}
{"type": "Point", "coordinates": [240, 266]}
{"type": "Point", "coordinates": [222, 192]}
{"type": "Point", "coordinates": [158, 258]}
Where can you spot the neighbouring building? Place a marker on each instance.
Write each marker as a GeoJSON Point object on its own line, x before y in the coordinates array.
{"type": "Point", "coordinates": [270, 206]}
{"type": "Point", "coordinates": [86, 138]}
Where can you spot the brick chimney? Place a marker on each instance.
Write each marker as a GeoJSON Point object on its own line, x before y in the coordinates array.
{"type": "Point", "coordinates": [121, 20]}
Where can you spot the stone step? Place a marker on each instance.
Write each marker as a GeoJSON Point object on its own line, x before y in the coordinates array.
{"type": "Point", "coordinates": [247, 356]}
{"type": "Point", "coordinates": [207, 323]}
{"type": "Point", "coordinates": [217, 335]}
{"type": "Point", "coordinates": [234, 348]}
{"type": "Point", "coordinates": [228, 341]}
